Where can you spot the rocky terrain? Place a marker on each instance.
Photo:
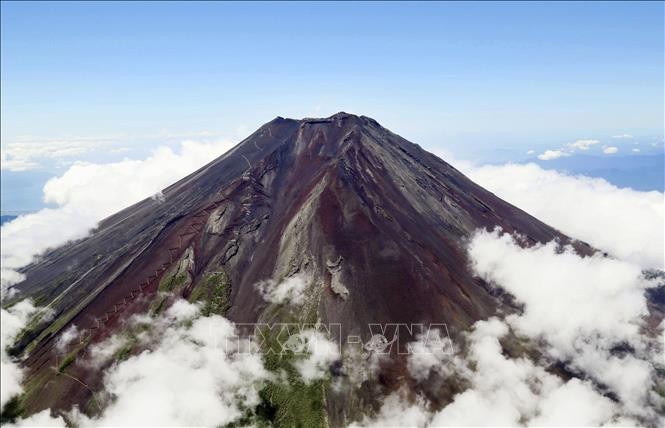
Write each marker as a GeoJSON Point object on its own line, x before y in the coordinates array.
{"type": "Point", "coordinates": [376, 225]}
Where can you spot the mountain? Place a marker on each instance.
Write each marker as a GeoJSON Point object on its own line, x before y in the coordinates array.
{"type": "Point", "coordinates": [375, 223]}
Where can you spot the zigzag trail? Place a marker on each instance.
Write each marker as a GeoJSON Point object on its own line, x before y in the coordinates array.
{"type": "Point", "coordinates": [183, 238]}
{"type": "Point", "coordinates": [194, 228]}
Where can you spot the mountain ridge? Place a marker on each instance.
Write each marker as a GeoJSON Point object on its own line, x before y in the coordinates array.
{"type": "Point", "coordinates": [375, 223]}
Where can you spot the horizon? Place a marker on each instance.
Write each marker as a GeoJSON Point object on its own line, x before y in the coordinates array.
{"type": "Point", "coordinates": [485, 83]}
{"type": "Point", "coordinates": [455, 218]}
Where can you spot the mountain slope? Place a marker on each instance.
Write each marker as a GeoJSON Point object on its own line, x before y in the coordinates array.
{"type": "Point", "coordinates": [375, 224]}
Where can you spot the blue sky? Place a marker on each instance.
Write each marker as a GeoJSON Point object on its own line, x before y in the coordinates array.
{"type": "Point", "coordinates": [474, 79]}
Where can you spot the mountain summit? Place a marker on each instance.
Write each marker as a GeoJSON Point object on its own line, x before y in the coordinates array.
{"type": "Point", "coordinates": [375, 225]}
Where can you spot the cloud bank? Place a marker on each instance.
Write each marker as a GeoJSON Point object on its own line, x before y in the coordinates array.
{"type": "Point", "coordinates": [577, 311]}
{"type": "Point", "coordinates": [628, 224]}
{"type": "Point", "coordinates": [514, 391]}
{"type": "Point", "coordinates": [193, 374]}
{"type": "Point", "coordinates": [86, 193]}
{"type": "Point", "coordinates": [13, 320]}
{"type": "Point", "coordinates": [23, 156]}
{"type": "Point", "coordinates": [582, 309]}
{"type": "Point", "coordinates": [604, 296]}
{"type": "Point", "coordinates": [320, 354]}
{"type": "Point", "coordinates": [193, 370]}
{"type": "Point", "coordinates": [290, 290]}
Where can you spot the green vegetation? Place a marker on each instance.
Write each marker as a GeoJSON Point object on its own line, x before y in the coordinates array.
{"type": "Point", "coordinates": [43, 295]}
{"type": "Point", "coordinates": [56, 325]}
{"type": "Point", "coordinates": [294, 403]}
{"type": "Point", "coordinates": [283, 404]}
{"type": "Point", "coordinates": [71, 357]}
{"type": "Point", "coordinates": [67, 361]}
{"type": "Point", "coordinates": [124, 352]}
{"type": "Point", "coordinates": [661, 391]}
{"type": "Point", "coordinates": [98, 257]}
{"type": "Point", "coordinates": [172, 282]}
{"type": "Point", "coordinates": [247, 420]}
{"type": "Point", "coordinates": [168, 284]}
{"type": "Point", "coordinates": [11, 411]}
{"type": "Point", "coordinates": [36, 383]}
{"type": "Point", "coordinates": [130, 338]}
{"type": "Point", "coordinates": [157, 307]}
{"type": "Point", "coordinates": [40, 325]}
{"type": "Point", "coordinates": [215, 292]}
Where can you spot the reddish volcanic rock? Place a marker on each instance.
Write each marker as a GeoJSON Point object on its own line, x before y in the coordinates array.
{"type": "Point", "coordinates": [377, 225]}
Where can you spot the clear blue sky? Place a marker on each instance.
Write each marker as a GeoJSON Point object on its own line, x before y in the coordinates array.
{"type": "Point", "coordinates": [447, 74]}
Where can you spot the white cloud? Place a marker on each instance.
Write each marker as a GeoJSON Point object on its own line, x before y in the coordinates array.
{"type": "Point", "coordinates": [582, 144]}
{"type": "Point", "coordinates": [290, 290]}
{"type": "Point", "coordinates": [530, 152]}
{"type": "Point", "coordinates": [552, 154]}
{"type": "Point", "coordinates": [41, 419]}
{"type": "Point", "coordinates": [24, 155]}
{"type": "Point", "coordinates": [29, 152]}
{"type": "Point", "coordinates": [610, 150]}
{"type": "Point", "coordinates": [193, 374]}
{"type": "Point", "coordinates": [397, 412]}
{"type": "Point", "coordinates": [572, 404]}
{"type": "Point", "coordinates": [102, 352]}
{"type": "Point", "coordinates": [321, 353]}
{"type": "Point", "coordinates": [579, 307]}
{"type": "Point", "coordinates": [576, 309]}
{"type": "Point", "coordinates": [7, 278]}
{"type": "Point", "coordinates": [568, 149]}
{"type": "Point", "coordinates": [626, 223]}
{"type": "Point", "coordinates": [87, 193]}
{"type": "Point", "coordinates": [574, 295]}
{"type": "Point", "coordinates": [67, 337]}
{"type": "Point", "coordinates": [13, 320]}
{"type": "Point", "coordinates": [514, 391]}
{"type": "Point", "coordinates": [181, 310]}
{"type": "Point", "coordinates": [11, 163]}
{"type": "Point", "coordinates": [429, 352]}
{"type": "Point", "coordinates": [195, 370]}
{"type": "Point", "coordinates": [158, 197]}
{"type": "Point", "coordinates": [623, 136]}
{"type": "Point", "coordinates": [502, 391]}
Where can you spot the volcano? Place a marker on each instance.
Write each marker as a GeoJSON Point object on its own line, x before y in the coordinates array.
{"type": "Point", "coordinates": [376, 224]}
